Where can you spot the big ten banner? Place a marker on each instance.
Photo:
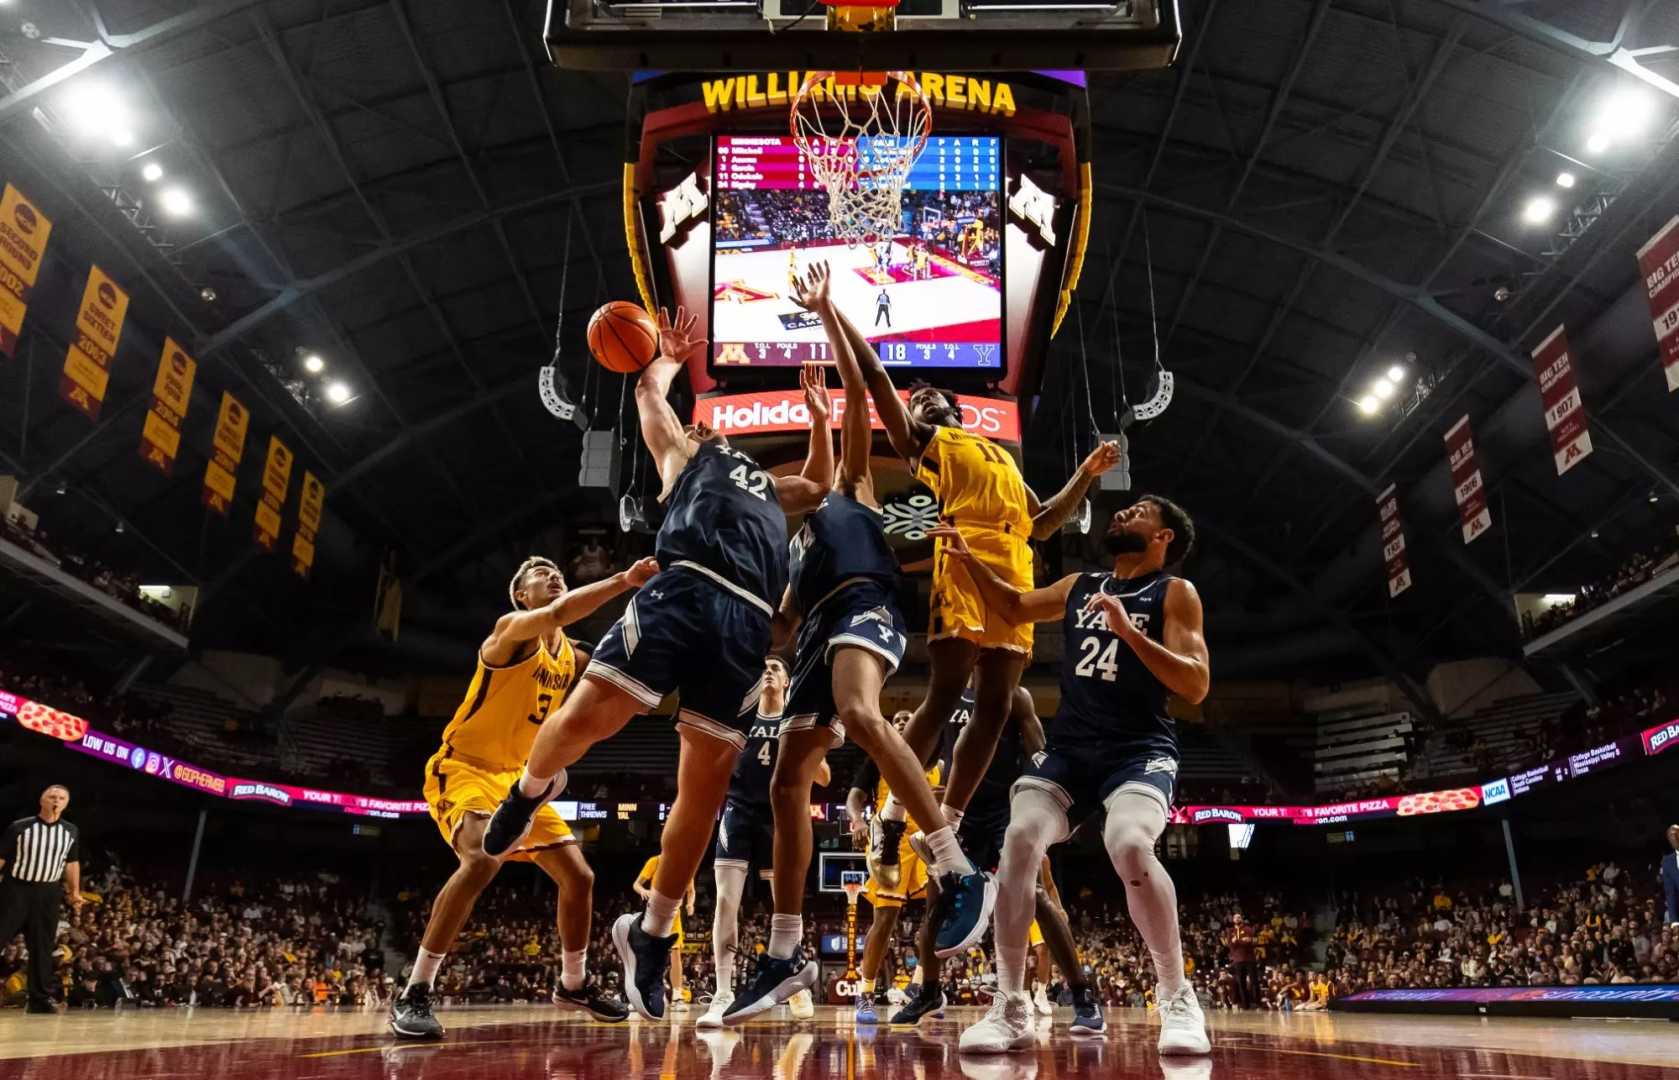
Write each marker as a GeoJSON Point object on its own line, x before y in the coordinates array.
{"type": "Point", "coordinates": [1565, 416]}
{"type": "Point", "coordinates": [23, 240]}
{"type": "Point", "coordinates": [87, 366]}
{"type": "Point", "coordinates": [226, 450]}
{"type": "Point", "coordinates": [160, 438]}
{"type": "Point", "coordinates": [1393, 543]}
{"type": "Point", "coordinates": [276, 479]}
{"type": "Point", "coordinates": [1658, 261]}
{"type": "Point", "coordinates": [308, 524]}
{"type": "Point", "coordinates": [1467, 484]}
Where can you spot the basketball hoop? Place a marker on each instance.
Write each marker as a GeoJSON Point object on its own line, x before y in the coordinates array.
{"type": "Point", "coordinates": [853, 890]}
{"type": "Point", "coordinates": [862, 133]}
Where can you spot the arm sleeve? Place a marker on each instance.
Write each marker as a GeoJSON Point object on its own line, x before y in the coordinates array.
{"type": "Point", "coordinates": [867, 777]}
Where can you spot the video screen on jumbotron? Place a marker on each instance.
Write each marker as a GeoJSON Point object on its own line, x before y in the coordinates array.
{"type": "Point", "coordinates": [930, 295]}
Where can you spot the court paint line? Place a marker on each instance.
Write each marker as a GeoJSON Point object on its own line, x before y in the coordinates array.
{"type": "Point", "coordinates": [1343, 1057]}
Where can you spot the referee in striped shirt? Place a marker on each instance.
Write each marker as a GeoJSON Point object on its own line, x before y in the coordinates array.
{"type": "Point", "coordinates": [36, 854]}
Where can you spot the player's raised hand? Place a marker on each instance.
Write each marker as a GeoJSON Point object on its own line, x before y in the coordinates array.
{"type": "Point", "coordinates": [1113, 608]}
{"type": "Point", "coordinates": [676, 339]}
{"type": "Point", "coordinates": [812, 290]}
{"type": "Point", "coordinates": [1103, 458]}
{"type": "Point", "coordinates": [954, 542]}
{"type": "Point", "coordinates": [814, 381]}
{"type": "Point", "coordinates": [641, 571]}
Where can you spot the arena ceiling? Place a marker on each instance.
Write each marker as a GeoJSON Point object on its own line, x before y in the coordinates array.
{"type": "Point", "coordinates": [1318, 189]}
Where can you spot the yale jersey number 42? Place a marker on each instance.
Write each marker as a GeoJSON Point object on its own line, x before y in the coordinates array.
{"type": "Point", "coordinates": [752, 481]}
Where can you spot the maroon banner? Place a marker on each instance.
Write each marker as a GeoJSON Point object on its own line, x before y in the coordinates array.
{"type": "Point", "coordinates": [1467, 485]}
{"type": "Point", "coordinates": [1658, 261]}
{"type": "Point", "coordinates": [1565, 415]}
{"type": "Point", "coordinates": [1393, 543]}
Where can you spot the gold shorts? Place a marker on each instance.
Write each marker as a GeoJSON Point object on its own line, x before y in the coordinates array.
{"type": "Point", "coordinates": [1034, 936]}
{"type": "Point", "coordinates": [959, 609]}
{"type": "Point", "coordinates": [455, 789]}
{"type": "Point", "coordinates": [912, 880]}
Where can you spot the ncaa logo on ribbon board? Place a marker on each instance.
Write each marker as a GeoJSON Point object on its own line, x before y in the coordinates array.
{"type": "Point", "coordinates": [1496, 792]}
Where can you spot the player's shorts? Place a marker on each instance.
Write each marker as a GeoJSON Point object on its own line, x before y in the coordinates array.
{"type": "Point", "coordinates": [456, 787]}
{"type": "Point", "coordinates": [982, 830]}
{"type": "Point", "coordinates": [912, 880]}
{"type": "Point", "coordinates": [746, 835]}
{"type": "Point", "coordinates": [1034, 936]}
{"type": "Point", "coordinates": [959, 609]}
{"type": "Point", "coordinates": [862, 614]}
{"type": "Point", "coordinates": [1082, 779]}
{"type": "Point", "coordinates": [686, 632]}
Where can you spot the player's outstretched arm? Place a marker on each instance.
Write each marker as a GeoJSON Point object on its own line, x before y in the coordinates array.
{"type": "Point", "coordinates": [1015, 605]}
{"type": "Point", "coordinates": [517, 627]}
{"type": "Point", "coordinates": [806, 490]}
{"type": "Point", "coordinates": [908, 436]}
{"type": "Point", "coordinates": [1048, 517]}
{"type": "Point", "coordinates": [814, 293]}
{"type": "Point", "coordinates": [1180, 661]}
{"type": "Point", "coordinates": [661, 429]}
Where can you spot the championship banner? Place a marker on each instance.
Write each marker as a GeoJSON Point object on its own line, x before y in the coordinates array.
{"type": "Point", "coordinates": [23, 240]}
{"type": "Point", "coordinates": [87, 365]}
{"type": "Point", "coordinates": [1467, 485]}
{"type": "Point", "coordinates": [225, 452]}
{"type": "Point", "coordinates": [160, 438]}
{"type": "Point", "coordinates": [1658, 261]}
{"type": "Point", "coordinates": [1393, 543]}
{"type": "Point", "coordinates": [308, 524]}
{"type": "Point", "coordinates": [1565, 416]}
{"type": "Point", "coordinates": [276, 478]}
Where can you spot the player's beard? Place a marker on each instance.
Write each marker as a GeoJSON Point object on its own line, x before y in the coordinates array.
{"type": "Point", "coordinates": [1125, 542]}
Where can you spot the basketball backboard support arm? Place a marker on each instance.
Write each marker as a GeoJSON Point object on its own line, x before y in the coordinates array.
{"type": "Point", "coordinates": [734, 35]}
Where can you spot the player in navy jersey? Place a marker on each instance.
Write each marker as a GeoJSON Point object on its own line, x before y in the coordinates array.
{"type": "Point", "coordinates": [745, 840]}
{"type": "Point", "coordinates": [982, 833]}
{"type": "Point", "coordinates": [700, 627]}
{"type": "Point", "coordinates": [1133, 636]}
{"type": "Point", "coordinates": [851, 637]}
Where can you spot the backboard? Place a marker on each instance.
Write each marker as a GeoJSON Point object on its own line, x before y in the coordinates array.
{"type": "Point", "coordinates": [776, 35]}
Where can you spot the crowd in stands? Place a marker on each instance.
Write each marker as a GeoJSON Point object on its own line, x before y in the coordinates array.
{"type": "Point", "coordinates": [120, 584]}
{"type": "Point", "coordinates": [1637, 568]}
{"type": "Point", "coordinates": [249, 942]}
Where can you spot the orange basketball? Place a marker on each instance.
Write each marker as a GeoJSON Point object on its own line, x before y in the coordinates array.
{"type": "Point", "coordinates": [623, 337]}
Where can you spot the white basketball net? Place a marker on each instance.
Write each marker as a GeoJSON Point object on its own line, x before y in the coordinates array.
{"type": "Point", "coordinates": [861, 142]}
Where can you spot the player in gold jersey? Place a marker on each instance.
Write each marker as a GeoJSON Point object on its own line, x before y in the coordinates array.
{"type": "Point", "coordinates": [982, 494]}
{"type": "Point", "coordinates": [524, 670]}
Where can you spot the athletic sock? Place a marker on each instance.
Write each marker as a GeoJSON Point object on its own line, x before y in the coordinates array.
{"type": "Point", "coordinates": [425, 969]}
{"type": "Point", "coordinates": [785, 932]}
{"type": "Point", "coordinates": [1011, 967]}
{"type": "Point", "coordinates": [953, 816]}
{"type": "Point", "coordinates": [868, 988]}
{"type": "Point", "coordinates": [573, 968]}
{"type": "Point", "coordinates": [918, 977]}
{"type": "Point", "coordinates": [660, 915]}
{"type": "Point", "coordinates": [947, 853]}
{"type": "Point", "coordinates": [532, 787]}
{"type": "Point", "coordinates": [894, 810]}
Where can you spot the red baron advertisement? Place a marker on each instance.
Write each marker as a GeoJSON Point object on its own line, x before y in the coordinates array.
{"type": "Point", "coordinates": [289, 795]}
{"type": "Point", "coordinates": [1467, 485]}
{"type": "Point", "coordinates": [1658, 263]}
{"type": "Point", "coordinates": [1565, 415]}
{"type": "Point", "coordinates": [1662, 737]}
{"type": "Point", "coordinates": [784, 410]}
{"type": "Point", "coordinates": [1393, 543]}
{"type": "Point", "coordinates": [1420, 803]}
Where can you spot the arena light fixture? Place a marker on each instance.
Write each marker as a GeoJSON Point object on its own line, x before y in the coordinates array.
{"type": "Point", "coordinates": [175, 202]}
{"type": "Point", "coordinates": [1626, 113]}
{"type": "Point", "coordinates": [1368, 405]}
{"type": "Point", "coordinates": [94, 109]}
{"type": "Point", "coordinates": [1396, 373]}
{"type": "Point", "coordinates": [1555, 598]}
{"type": "Point", "coordinates": [314, 365]}
{"type": "Point", "coordinates": [1539, 210]}
{"type": "Point", "coordinates": [1383, 389]}
{"type": "Point", "coordinates": [151, 172]}
{"type": "Point", "coordinates": [1565, 180]}
{"type": "Point", "coordinates": [337, 393]}
{"type": "Point", "coordinates": [1597, 143]}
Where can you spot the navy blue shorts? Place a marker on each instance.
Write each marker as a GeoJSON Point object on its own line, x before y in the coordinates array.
{"type": "Point", "coordinates": [1081, 778]}
{"type": "Point", "coordinates": [863, 614]}
{"type": "Point", "coordinates": [746, 835]}
{"type": "Point", "coordinates": [684, 632]}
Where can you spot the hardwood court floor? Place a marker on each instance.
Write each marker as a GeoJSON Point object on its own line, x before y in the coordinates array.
{"type": "Point", "coordinates": [528, 1041]}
